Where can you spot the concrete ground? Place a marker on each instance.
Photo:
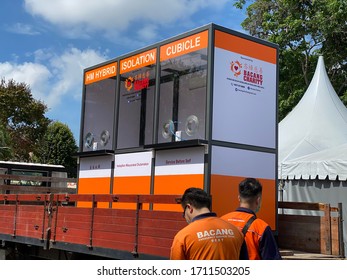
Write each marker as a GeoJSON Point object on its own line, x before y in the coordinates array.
{"type": "Point", "coordinates": [298, 255]}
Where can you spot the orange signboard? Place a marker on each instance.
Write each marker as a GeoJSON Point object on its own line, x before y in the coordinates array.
{"type": "Point", "coordinates": [186, 45]}
{"type": "Point", "coordinates": [138, 61]}
{"type": "Point", "coordinates": [246, 47]}
{"type": "Point", "coordinates": [101, 73]}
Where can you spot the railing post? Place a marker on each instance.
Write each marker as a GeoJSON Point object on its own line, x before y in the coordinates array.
{"type": "Point", "coordinates": [94, 205]}
{"type": "Point", "coordinates": [15, 218]}
{"type": "Point", "coordinates": [138, 208]}
{"type": "Point", "coordinates": [327, 228]}
{"type": "Point", "coordinates": [45, 209]}
{"type": "Point", "coordinates": [56, 219]}
{"type": "Point", "coordinates": [340, 223]}
{"type": "Point", "coordinates": [49, 210]}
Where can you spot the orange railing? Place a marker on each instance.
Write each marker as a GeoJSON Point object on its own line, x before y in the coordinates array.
{"type": "Point", "coordinates": [54, 221]}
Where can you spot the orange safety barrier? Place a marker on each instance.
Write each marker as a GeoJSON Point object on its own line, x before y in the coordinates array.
{"type": "Point", "coordinates": [54, 221]}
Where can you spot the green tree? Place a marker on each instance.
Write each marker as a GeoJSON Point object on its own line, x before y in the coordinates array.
{"type": "Point", "coordinates": [5, 144]}
{"type": "Point", "coordinates": [22, 118]}
{"type": "Point", "coordinates": [303, 29]}
{"type": "Point", "coordinates": [58, 147]}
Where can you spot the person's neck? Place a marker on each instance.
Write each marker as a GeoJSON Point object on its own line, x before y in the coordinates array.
{"type": "Point", "coordinates": [201, 211]}
{"type": "Point", "coordinates": [248, 206]}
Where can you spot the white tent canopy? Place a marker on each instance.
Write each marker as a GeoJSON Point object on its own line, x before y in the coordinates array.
{"type": "Point", "coordinates": [329, 163]}
{"type": "Point", "coordinates": [313, 147]}
{"type": "Point", "coordinates": [313, 136]}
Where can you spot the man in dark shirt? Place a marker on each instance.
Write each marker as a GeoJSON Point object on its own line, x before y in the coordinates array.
{"type": "Point", "coordinates": [260, 241]}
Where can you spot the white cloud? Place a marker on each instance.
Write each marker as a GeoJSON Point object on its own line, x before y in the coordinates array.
{"type": "Point", "coordinates": [34, 75]}
{"type": "Point", "coordinates": [56, 80]}
{"type": "Point", "coordinates": [21, 28]}
{"type": "Point", "coordinates": [82, 17]}
{"type": "Point", "coordinates": [51, 77]}
{"type": "Point", "coordinates": [68, 69]}
{"type": "Point", "coordinates": [148, 32]}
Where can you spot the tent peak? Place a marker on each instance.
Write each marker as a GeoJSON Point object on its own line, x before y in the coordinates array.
{"type": "Point", "coordinates": [317, 122]}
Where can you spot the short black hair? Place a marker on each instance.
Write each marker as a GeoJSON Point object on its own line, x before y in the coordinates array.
{"type": "Point", "coordinates": [198, 198]}
{"type": "Point", "coordinates": [250, 188]}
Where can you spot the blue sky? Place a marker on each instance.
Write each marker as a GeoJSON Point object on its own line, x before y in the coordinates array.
{"type": "Point", "coordinates": [48, 43]}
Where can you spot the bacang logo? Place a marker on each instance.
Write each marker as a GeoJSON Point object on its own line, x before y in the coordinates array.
{"type": "Point", "coordinates": [253, 77]}
{"type": "Point", "coordinates": [139, 82]}
{"type": "Point", "coordinates": [215, 235]}
{"type": "Point", "coordinates": [236, 68]}
{"type": "Point", "coordinates": [129, 83]}
{"type": "Point", "coordinates": [248, 72]}
{"type": "Point", "coordinates": [94, 166]}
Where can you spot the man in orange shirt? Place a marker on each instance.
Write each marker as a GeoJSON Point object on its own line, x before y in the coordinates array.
{"type": "Point", "coordinates": [206, 237]}
{"type": "Point", "coordinates": [260, 241]}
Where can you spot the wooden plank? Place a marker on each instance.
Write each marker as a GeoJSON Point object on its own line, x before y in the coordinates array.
{"type": "Point", "coordinates": [128, 226]}
{"type": "Point", "coordinates": [126, 221]}
{"type": "Point", "coordinates": [6, 230]}
{"type": "Point", "coordinates": [73, 224]}
{"type": "Point", "coordinates": [36, 178]}
{"type": "Point", "coordinates": [116, 228]}
{"type": "Point", "coordinates": [63, 233]}
{"type": "Point", "coordinates": [112, 213]}
{"type": "Point", "coordinates": [121, 237]}
{"type": "Point", "coordinates": [7, 210]}
{"type": "Point", "coordinates": [124, 198]}
{"type": "Point", "coordinates": [157, 214]}
{"type": "Point", "coordinates": [309, 233]}
{"type": "Point", "coordinates": [36, 189]}
{"type": "Point", "coordinates": [73, 216]}
{"type": "Point", "coordinates": [114, 244]}
{"type": "Point", "coordinates": [30, 220]}
{"type": "Point", "coordinates": [158, 242]}
{"type": "Point", "coordinates": [30, 215]}
{"type": "Point", "coordinates": [335, 242]}
{"type": "Point", "coordinates": [71, 210]}
{"type": "Point", "coordinates": [157, 223]}
{"type": "Point", "coordinates": [7, 213]}
{"type": "Point", "coordinates": [7, 197]}
{"type": "Point", "coordinates": [326, 230]}
{"type": "Point", "coordinates": [301, 205]}
{"type": "Point", "coordinates": [73, 239]}
{"type": "Point", "coordinates": [299, 232]}
{"type": "Point", "coordinates": [97, 219]}
{"type": "Point", "coordinates": [29, 233]}
{"type": "Point", "coordinates": [98, 198]}
{"type": "Point", "coordinates": [162, 199]}
{"type": "Point", "coordinates": [73, 197]}
{"type": "Point", "coordinates": [158, 232]}
{"type": "Point", "coordinates": [155, 241]}
{"type": "Point", "coordinates": [154, 250]}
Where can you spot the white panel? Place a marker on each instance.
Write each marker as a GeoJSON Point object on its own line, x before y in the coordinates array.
{"type": "Point", "coordinates": [133, 164]}
{"type": "Point", "coordinates": [95, 167]}
{"type": "Point", "coordinates": [243, 163]}
{"type": "Point", "coordinates": [180, 161]}
{"type": "Point", "coordinates": [243, 111]}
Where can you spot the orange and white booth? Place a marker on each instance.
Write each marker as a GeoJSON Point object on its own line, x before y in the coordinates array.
{"type": "Point", "coordinates": [196, 110]}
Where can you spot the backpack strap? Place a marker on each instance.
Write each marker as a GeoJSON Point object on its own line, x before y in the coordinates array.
{"type": "Point", "coordinates": [248, 224]}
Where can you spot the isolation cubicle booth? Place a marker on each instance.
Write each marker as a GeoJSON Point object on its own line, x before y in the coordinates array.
{"type": "Point", "coordinates": [196, 110]}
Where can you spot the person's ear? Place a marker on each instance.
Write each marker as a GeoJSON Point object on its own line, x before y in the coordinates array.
{"type": "Point", "coordinates": [258, 204]}
{"type": "Point", "coordinates": [189, 208]}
